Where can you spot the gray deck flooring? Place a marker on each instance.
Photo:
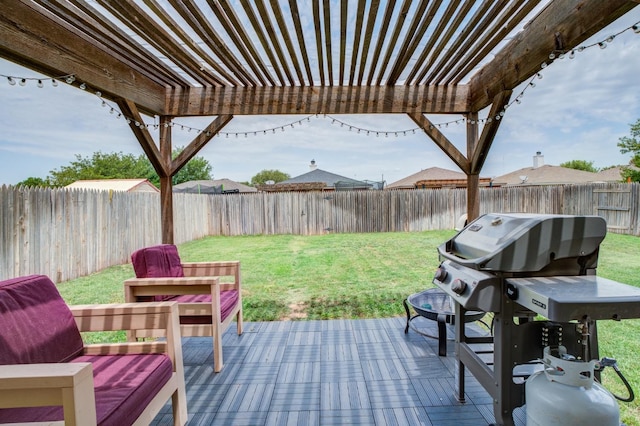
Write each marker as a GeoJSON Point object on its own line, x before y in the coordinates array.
{"type": "Point", "coordinates": [362, 372]}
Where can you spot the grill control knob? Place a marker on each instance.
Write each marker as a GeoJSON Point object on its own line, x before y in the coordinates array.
{"type": "Point", "coordinates": [458, 286]}
{"type": "Point", "coordinates": [441, 274]}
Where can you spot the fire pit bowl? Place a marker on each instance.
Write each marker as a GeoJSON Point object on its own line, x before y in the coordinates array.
{"type": "Point", "coordinates": [436, 305]}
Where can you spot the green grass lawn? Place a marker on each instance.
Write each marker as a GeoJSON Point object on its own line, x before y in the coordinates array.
{"type": "Point", "coordinates": [290, 277]}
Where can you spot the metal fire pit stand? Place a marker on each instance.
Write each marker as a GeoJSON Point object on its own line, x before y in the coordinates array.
{"type": "Point", "coordinates": [438, 310]}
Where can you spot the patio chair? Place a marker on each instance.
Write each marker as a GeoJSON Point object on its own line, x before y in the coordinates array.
{"type": "Point", "coordinates": [207, 306]}
{"type": "Point", "coordinates": [48, 375]}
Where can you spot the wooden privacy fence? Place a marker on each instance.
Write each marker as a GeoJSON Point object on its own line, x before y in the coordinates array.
{"type": "Point", "coordinates": [70, 233]}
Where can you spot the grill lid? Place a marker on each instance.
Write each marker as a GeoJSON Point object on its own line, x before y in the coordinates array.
{"type": "Point", "coordinates": [520, 242]}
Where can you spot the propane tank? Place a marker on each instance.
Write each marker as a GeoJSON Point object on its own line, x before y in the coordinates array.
{"type": "Point", "coordinates": [565, 394]}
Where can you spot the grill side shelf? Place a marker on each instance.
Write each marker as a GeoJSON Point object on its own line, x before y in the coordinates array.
{"type": "Point", "coordinates": [566, 298]}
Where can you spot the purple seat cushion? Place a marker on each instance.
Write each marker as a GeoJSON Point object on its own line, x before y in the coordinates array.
{"type": "Point", "coordinates": [36, 325]}
{"type": "Point", "coordinates": [161, 261]}
{"type": "Point", "coordinates": [124, 385]}
{"type": "Point", "coordinates": [228, 301]}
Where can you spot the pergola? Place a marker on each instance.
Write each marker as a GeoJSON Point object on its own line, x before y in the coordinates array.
{"type": "Point", "coordinates": [221, 58]}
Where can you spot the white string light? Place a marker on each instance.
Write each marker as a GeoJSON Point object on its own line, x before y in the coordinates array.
{"type": "Point", "coordinates": [22, 81]}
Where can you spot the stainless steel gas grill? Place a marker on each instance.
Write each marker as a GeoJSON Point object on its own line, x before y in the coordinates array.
{"type": "Point", "coordinates": [519, 266]}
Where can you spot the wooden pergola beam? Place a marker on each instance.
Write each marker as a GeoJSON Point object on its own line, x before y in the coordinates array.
{"type": "Point", "coordinates": [489, 132]}
{"type": "Point", "coordinates": [199, 142]}
{"type": "Point", "coordinates": [317, 100]}
{"type": "Point", "coordinates": [130, 111]}
{"type": "Point", "coordinates": [441, 140]}
{"type": "Point", "coordinates": [32, 37]}
{"type": "Point", "coordinates": [567, 23]}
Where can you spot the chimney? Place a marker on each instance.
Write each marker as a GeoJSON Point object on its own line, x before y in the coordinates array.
{"type": "Point", "coordinates": [313, 166]}
{"type": "Point", "coordinates": [538, 160]}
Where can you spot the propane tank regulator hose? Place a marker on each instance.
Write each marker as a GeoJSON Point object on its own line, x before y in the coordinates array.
{"type": "Point", "coordinates": [610, 362]}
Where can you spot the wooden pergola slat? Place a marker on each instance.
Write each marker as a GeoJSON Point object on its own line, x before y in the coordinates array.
{"type": "Point", "coordinates": [494, 36]}
{"type": "Point", "coordinates": [158, 38]}
{"type": "Point", "coordinates": [199, 23]}
{"type": "Point", "coordinates": [411, 43]}
{"type": "Point", "coordinates": [357, 33]}
{"type": "Point", "coordinates": [326, 9]}
{"type": "Point", "coordinates": [455, 49]}
{"type": "Point", "coordinates": [366, 42]}
{"type": "Point", "coordinates": [230, 22]}
{"type": "Point", "coordinates": [295, 16]}
{"type": "Point", "coordinates": [263, 41]}
{"type": "Point", "coordinates": [318, 34]}
{"type": "Point", "coordinates": [114, 38]}
{"type": "Point", "coordinates": [282, 26]}
{"type": "Point", "coordinates": [271, 33]}
{"type": "Point", "coordinates": [397, 28]}
{"type": "Point", "coordinates": [382, 35]}
{"type": "Point", "coordinates": [434, 52]}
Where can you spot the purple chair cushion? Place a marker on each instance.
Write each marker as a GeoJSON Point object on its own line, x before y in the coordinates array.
{"type": "Point", "coordinates": [36, 325]}
{"type": "Point", "coordinates": [124, 386]}
{"type": "Point", "coordinates": [159, 261]}
{"type": "Point", "coordinates": [228, 301]}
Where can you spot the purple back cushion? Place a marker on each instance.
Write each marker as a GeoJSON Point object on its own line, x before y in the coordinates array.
{"type": "Point", "coordinates": [157, 262]}
{"type": "Point", "coordinates": [36, 324]}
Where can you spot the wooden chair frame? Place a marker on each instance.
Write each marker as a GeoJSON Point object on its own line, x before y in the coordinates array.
{"type": "Point", "coordinates": [71, 384]}
{"type": "Point", "coordinates": [200, 278]}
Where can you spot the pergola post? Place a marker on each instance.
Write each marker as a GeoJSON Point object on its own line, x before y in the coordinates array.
{"type": "Point", "coordinates": [166, 186]}
{"type": "Point", "coordinates": [473, 176]}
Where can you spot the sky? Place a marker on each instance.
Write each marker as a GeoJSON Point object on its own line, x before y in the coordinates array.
{"type": "Point", "coordinates": [578, 110]}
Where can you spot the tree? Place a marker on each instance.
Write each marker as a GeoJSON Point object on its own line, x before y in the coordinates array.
{"type": "Point", "coordinates": [198, 168]}
{"type": "Point", "coordinates": [117, 165]}
{"type": "Point", "coordinates": [587, 166]}
{"type": "Point", "coordinates": [34, 182]}
{"type": "Point", "coordinates": [631, 145]}
{"type": "Point", "coordinates": [100, 165]}
{"type": "Point", "coordinates": [267, 175]}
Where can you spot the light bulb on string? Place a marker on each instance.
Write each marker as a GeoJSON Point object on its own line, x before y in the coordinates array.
{"type": "Point", "coordinates": [40, 84]}
{"type": "Point", "coordinates": [11, 81]}
{"type": "Point", "coordinates": [54, 82]}
{"type": "Point", "coordinates": [70, 79]}
{"type": "Point", "coordinates": [636, 28]}
{"type": "Point", "coordinates": [23, 82]}
{"type": "Point", "coordinates": [602, 45]}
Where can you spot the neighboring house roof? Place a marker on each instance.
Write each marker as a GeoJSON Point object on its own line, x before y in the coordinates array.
{"type": "Point", "coordinates": [433, 177]}
{"type": "Point", "coordinates": [546, 175]}
{"type": "Point", "coordinates": [330, 180]}
{"type": "Point", "coordinates": [126, 185]}
{"type": "Point", "coordinates": [215, 186]}
{"type": "Point", "coordinates": [613, 174]}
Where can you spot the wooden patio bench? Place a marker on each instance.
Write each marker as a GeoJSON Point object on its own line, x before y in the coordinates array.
{"type": "Point", "coordinates": [48, 375]}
